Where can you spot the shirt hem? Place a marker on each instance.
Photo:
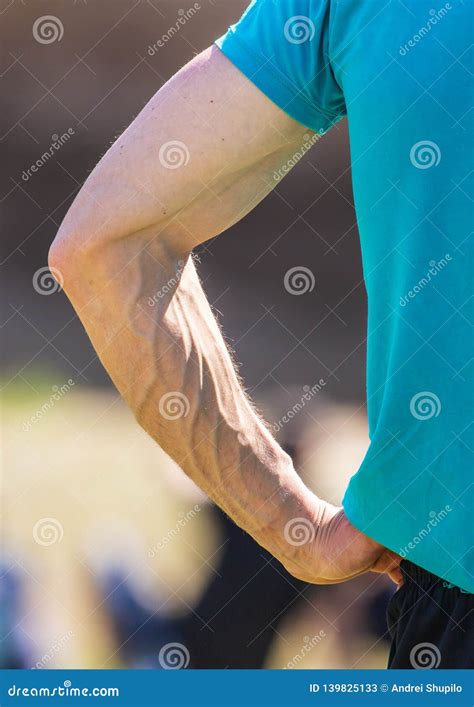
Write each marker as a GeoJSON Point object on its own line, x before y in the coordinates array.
{"type": "Point", "coordinates": [365, 525]}
{"type": "Point", "coordinates": [259, 70]}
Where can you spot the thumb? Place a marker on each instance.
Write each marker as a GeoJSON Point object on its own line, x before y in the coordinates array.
{"type": "Point", "coordinates": [389, 563]}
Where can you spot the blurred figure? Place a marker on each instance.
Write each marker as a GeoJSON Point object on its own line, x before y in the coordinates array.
{"type": "Point", "coordinates": [14, 651]}
{"type": "Point", "coordinates": [236, 620]}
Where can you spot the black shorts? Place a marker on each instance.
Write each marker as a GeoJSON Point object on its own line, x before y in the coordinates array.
{"type": "Point", "coordinates": [431, 622]}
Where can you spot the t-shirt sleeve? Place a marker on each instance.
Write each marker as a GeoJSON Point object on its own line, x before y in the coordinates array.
{"type": "Point", "coordinates": [283, 47]}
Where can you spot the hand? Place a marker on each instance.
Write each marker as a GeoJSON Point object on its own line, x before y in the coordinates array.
{"type": "Point", "coordinates": [339, 552]}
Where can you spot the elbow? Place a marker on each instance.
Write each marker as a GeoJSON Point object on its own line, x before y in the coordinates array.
{"type": "Point", "coordinates": [57, 257]}
{"type": "Point", "coordinates": [61, 261]}
{"type": "Point", "coordinates": [68, 260]}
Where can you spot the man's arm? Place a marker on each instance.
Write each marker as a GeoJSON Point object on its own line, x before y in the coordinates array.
{"type": "Point", "coordinates": [197, 159]}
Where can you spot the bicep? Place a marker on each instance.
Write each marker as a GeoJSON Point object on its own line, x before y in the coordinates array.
{"type": "Point", "coordinates": [197, 158]}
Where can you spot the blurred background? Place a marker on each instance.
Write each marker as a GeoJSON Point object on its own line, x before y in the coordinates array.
{"type": "Point", "coordinates": [110, 557]}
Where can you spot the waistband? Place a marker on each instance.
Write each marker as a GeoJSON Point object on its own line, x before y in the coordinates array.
{"type": "Point", "coordinates": [424, 579]}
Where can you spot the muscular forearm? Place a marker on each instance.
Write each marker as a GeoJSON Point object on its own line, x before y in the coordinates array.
{"type": "Point", "coordinates": [219, 441]}
{"type": "Point", "coordinates": [154, 330]}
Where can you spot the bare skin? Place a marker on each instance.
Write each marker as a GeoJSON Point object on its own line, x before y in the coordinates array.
{"type": "Point", "coordinates": [196, 160]}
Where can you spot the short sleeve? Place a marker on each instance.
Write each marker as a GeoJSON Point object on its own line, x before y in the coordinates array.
{"type": "Point", "coordinates": [283, 47]}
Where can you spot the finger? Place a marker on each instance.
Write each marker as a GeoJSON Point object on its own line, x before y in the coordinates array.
{"type": "Point", "coordinates": [396, 576]}
{"type": "Point", "coordinates": [389, 563]}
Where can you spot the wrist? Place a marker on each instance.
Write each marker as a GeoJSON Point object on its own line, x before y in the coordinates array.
{"type": "Point", "coordinates": [297, 529]}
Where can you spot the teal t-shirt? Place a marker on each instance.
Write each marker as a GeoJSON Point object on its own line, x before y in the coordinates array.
{"type": "Point", "coordinates": [402, 73]}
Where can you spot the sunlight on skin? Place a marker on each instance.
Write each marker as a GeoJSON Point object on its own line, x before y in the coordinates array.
{"type": "Point", "coordinates": [129, 235]}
